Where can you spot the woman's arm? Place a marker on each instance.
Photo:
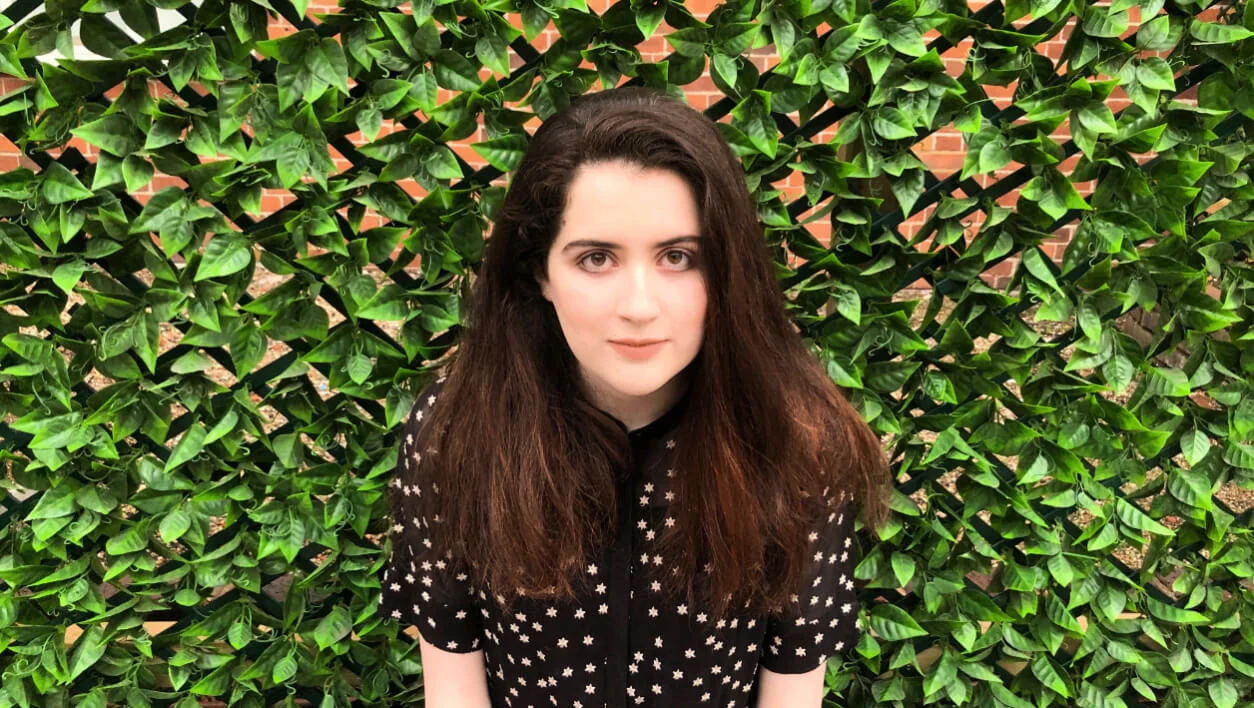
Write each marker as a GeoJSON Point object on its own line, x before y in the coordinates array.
{"type": "Point", "coordinates": [820, 623]}
{"type": "Point", "coordinates": [452, 679]}
{"type": "Point", "coordinates": [791, 690]}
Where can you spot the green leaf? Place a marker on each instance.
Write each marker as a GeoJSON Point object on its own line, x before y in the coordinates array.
{"type": "Point", "coordinates": [441, 163]}
{"type": "Point", "coordinates": [114, 133]}
{"type": "Point", "coordinates": [248, 346]}
{"type": "Point", "coordinates": [893, 623]}
{"type": "Point", "coordinates": [1169, 382]}
{"type": "Point", "coordinates": [240, 635]}
{"type": "Point", "coordinates": [1034, 261]}
{"type": "Point", "coordinates": [752, 116]}
{"type": "Point", "coordinates": [1119, 371]}
{"type": "Point", "coordinates": [1111, 602]}
{"type": "Point", "coordinates": [189, 446]}
{"type": "Point", "coordinates": [648, 17]}
{"type": "Point", "coordinates": [891, 124]}
{"type": "Point", "coordinates": [690, 42]}
{"type": "Point", "coordinates": [10, 63]}
{"type": "Point", "coordinates": [225, 425]}
{"type": "Point", "coordinates": [1131, 515]}
{"type": "Point", "coordinates": [943, 674]}
{"type": "Point", "coordinates": [66, 275]}
{"type": "Point", "coordinates": [1156, 74]}
{"type": "Point", "coordinates": [145, 337]}
{"type": "Point", "coordinates": [1222, 692]}
{"type": "Point", "coordinates": [783, 35]}
{"type": "Point", "coordinates": [174, 524]}
{"type": "Point", "coordinates": [1170, 613]}
{"type": "Point", "coordinates": [493, 52]}
{"type": "Point", "coordinates": [59, 186]}
{"type": "Point", "coordinates": [333, 627]}
{"type": "Point", "coordinates": [1212, 33]}
{"type": "Point", "coordinates": [725, 68]}
{"type": "Point", "coordinates": [903, 568]}
{"type": "Point", "coordinates": [848, 303]}
{"type": "Point", "coordinates": [1059, 615]}
{"type": "Point", "coordinates": [327, 62]}
{"type": "Point", "coordinates": [504, 152]}
{"type": "Point", "coordinates": [136, 172]}
{"type": "Point", "coordinates": [908, 189]}
{"type": "Point", "coordinates": [1061, 570]}
{"type": "Point", "coordinates": [1194, 444]}
{"type": "Point", "coordinates": [284, 670]}
{"type": "Point", "coordinates": [1048, 675]}
{"type": "Point", "coordinates": [132, 540]}
{"type": "Point", "coordinates": [835, 79]}
{"type": "Point", "coordinates": [1097, 117]}
{"type": "Point", "coordinates": [1099, 22]}
{"type": "Point", "coordinates": [1053, 193]}
{"type": "Point", "coordinates": [359, 368]}
{"type": "Point", "coordinates": [224, 255]}
{"type": "Point", "coordinates": [735, 38]}
{"type": "Point", "coordinates": [1190, 487]}
{"type": "Point", "coordinates": [91, 645]}
{"type": "Point", "coordinates": [454, 71]}
{"type": "Point", "coordinates": [54, 503]}
{"type": "Point", "coordinates": [1158, 34]}
{"type": "Point", "coordinates": [164, 210]}
{"type": "Point", "coordinates": [992, 155]}
{"type": "Point", "coordinates": [98, 499]}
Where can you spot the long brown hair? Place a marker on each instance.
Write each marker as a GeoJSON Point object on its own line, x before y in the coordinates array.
{"type": "Point", "coordinates": [526, 465]}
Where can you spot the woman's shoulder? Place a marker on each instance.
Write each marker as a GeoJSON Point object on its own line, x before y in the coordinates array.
{"type": "Point", "coordinates": [426, 399]}
{"type": "Point", "coordinates": [430, 392]}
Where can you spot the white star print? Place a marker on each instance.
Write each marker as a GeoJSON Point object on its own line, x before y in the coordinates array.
{"type": "Point", "coordinates": [420, 588]}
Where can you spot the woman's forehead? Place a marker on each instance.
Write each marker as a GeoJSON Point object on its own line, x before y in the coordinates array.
{"type": "Point", "coordinates": [624, 206]}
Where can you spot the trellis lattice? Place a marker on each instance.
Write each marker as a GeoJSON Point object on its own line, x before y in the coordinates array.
{"type": "Point", "coordinates": [1008, 517]}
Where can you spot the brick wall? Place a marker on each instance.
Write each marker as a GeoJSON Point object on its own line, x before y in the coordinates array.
{"type": "Point", "coordinates": [943, 151]}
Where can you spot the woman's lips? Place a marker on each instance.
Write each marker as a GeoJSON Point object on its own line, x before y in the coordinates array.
{"type": "Point", "coordinates": [637, 353]}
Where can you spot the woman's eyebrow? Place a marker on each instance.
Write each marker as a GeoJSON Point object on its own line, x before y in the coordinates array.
{"type": "Point", "coordinates": [592, 243]}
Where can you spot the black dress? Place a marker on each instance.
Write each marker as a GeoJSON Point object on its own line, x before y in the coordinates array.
{"type": "Point", "coordinates": [621, 646]}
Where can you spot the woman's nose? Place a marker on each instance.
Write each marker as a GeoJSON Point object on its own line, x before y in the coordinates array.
{"type": "Point", "coordinates": [640, 298]}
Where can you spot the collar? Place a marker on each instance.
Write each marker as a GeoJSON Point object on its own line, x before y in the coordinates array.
{"type": "Point", "coordinates": [663, 425]}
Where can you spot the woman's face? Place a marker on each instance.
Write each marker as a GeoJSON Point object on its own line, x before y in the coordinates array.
{"type": "Point", "coordinates": [625, 265]}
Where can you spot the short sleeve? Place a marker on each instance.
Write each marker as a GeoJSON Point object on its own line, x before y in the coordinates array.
{"type": "Point", "coordinates": [825, 622]}
{"type": "Point", "coordinates": [434, 594]}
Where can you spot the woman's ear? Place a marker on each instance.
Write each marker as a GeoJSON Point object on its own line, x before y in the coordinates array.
{"type": "Point", "coordinates": [543, 282]}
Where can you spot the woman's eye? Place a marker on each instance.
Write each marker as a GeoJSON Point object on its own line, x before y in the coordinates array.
{"type": "Point", "coordinates": [592, 255]}
{"type": "Point", "coordinates": [587, 259]}
{"type": "Point", "coordinates": [685, 254]}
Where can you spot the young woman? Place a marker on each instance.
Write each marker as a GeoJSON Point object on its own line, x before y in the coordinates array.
{"type": "Point", "coordinates": [633, 484]}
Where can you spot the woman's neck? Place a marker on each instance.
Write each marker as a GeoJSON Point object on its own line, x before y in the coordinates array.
{"type": "Point", "coordinates": [635, 412]}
